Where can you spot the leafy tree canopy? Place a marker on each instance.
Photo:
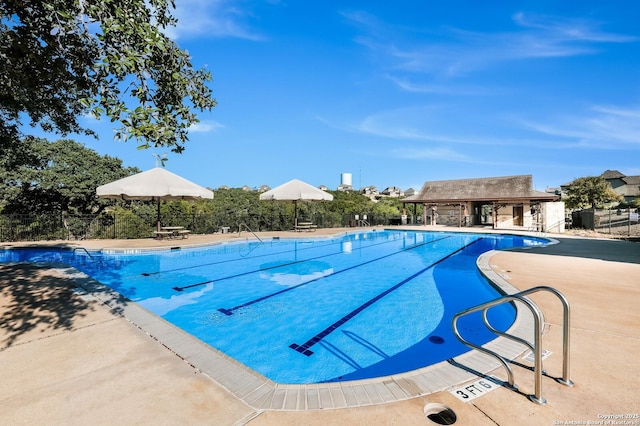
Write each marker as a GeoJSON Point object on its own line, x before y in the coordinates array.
{"type": "Point", "coordinates": [591, 191]}
{"type": "Point", "coordinates": [55, 176]}
{"type": "Point", "coordinates": [62, 59]}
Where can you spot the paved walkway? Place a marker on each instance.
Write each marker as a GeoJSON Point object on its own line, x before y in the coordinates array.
{"type": "Point", "coordinates": [67, 359]}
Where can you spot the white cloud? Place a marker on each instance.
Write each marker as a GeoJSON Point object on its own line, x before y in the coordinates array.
{"type": "Point", "coordinates": [603, 126]}
{"type": "Point", "coordinates": [205, 126]}
{"type": "Point", "coordinates": [458, 51]}
{"type": "Point", "coordinates": [569, 28]}
{"type": "Point", "coordinates": [212, 18]}
{"type": "Point", "coordinates": [430, 153]}
{"type": "Point", "coordinates": [438, 124]}
{"type": "Point", "coordinates": [445, 89]}
{"type": "Point", "coordinates": [443, 154]}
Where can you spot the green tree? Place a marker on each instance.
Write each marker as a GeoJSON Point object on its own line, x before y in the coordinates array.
{"type": "Point", "coordinates": [59, 176]}
{"type": "Point", "coordinates": [62, 59]}
{"type": "Point", "coordinates": [591, 191]}
{"type": "Point", "coordinates": [235, 206]}
{"type": "Point", "coordinates": [388, 207]}
{"type": "Point", "coordinates": [349, 203]}
{"type": "Point", "coordinates": [354, 203]}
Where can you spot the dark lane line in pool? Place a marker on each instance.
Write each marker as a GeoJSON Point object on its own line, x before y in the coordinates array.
{"type": "Point", "coordinates": [304, 348]}
{"type": "Point", "coordinates": [147, 274]}
{"type": "Point", "coordinates": [267, 268]}
{"type": "Point", "coordinates": [229, 311]}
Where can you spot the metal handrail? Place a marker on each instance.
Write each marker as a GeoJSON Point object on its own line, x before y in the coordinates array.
{"type": "Point", "coordinates": [248, 229]}
{"type": "Point", "coordinates": [536, 348]}
{"type": "Point", "coordinates": [84, 250]}
{"type": "Point", "coordinates": [566, 327]}
{"type": "Point", "coordinates": [552, 226]}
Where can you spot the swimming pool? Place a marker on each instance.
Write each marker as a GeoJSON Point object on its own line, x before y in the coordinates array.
{"type": "Point", "coordinates": [312, 310]}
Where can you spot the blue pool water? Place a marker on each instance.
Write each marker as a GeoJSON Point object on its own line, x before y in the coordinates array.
{"type": "Point", "coordinates": [313, 310]}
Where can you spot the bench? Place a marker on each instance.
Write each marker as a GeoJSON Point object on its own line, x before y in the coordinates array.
{"type": "Point", "coordinates": [174, 233]}
{"type": "Point", "coordinates": [308, 227]}
{"type": "Point", "coordinates": [162, 234]}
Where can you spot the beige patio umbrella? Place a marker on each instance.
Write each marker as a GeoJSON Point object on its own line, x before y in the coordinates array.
{"type": "Point", "coordinates": [296, 190]}
{"type": "Point", "coordinates": [157, 184]}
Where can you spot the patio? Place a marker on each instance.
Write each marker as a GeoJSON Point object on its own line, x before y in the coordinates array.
{"type": "Point", "coordinates": [79, 362]}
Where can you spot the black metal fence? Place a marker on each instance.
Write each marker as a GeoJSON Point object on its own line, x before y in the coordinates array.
{"type": "Point", "coordinates": [125, 225]}
{"type": "Point", "coordinates": [616, 222]}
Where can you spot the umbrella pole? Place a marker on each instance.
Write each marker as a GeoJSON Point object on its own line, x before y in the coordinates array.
{"type": "Point", "coordinates": [158, 223]}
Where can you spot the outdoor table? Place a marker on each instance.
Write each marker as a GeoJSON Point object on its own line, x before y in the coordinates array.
{"type": "Point", "coordinates": [176, 231]}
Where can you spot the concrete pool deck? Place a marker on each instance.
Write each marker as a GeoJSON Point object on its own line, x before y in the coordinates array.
{"type": "Point", "coordinates": [70, 360]}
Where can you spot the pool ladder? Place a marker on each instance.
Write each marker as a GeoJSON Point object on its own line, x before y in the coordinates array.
{"type": "Point", "coordinates": [84, 250]}
{"type": "Point", "coordinates": [248, 229]}
{"type": "Point", "coordinates": [536, 348]}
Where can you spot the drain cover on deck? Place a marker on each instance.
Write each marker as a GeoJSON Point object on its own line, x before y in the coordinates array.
{"type": "Point", "coordinates": [440, 414]}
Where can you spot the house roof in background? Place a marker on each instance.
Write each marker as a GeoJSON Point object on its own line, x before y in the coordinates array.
{"type": "Point", "coordinates": [631, 187]}
{"type": "Point", "coordinates": [632, 180]}
{"type": "Point", "coordinates": [612, 174]}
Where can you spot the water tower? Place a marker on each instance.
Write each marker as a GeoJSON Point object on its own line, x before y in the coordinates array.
{"type": "Point", "coordinates": [346, 183]}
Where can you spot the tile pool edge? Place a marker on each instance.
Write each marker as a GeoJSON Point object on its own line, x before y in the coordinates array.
{"type": "Point", "coordinates": [262, 393]}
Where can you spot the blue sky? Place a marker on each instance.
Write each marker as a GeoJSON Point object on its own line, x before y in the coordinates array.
{"type": "Point", "coordinates": [398, 93]}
